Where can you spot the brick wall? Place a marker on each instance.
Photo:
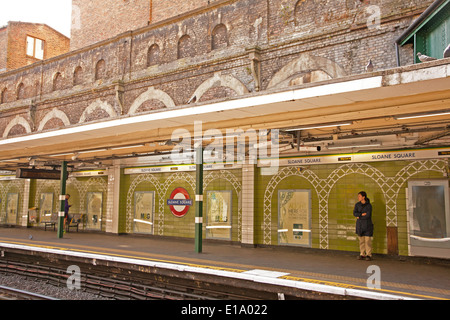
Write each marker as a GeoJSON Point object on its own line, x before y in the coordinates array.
{"type": "Point", "coordinates": [3, 48]}
{"type": "Point", "coordinates": [162, 10]}
{"type": "Point", "coordinates": [96, 20]}
{"type": "Point", "coordinates": [150, 68]}
{"type": "Point", "coordinates": [55, 43]}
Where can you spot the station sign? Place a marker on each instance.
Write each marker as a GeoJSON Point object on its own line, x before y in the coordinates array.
{"type": "Point", "coordinates": [391, 155]}
{"type": "Point", "coordinates": [26, 173]}
{"type": "Point", "coordinates": [89, 173]}
{"type": "Point", "coordinates": [181, 168]}
{"type": "Point", "coordinates": [179, 202]}
{"type": "Point", "coordinates": [8, 177]}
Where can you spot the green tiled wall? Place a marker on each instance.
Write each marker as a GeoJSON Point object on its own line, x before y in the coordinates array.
{"type": "Point", "coordinates": [334, 189]}
{"type": "Point", "coordinates": [166, 223]}
{"type": "Point", "coordinates": [332, 223]}
{"type": "Point", "coordinates": [76, 187]}
{"type": "Point", "coordinates": [341, 222]}
{"type": "Point", "coordinates": [11, 186]}
{"type": "Point", "coordinates": [339, 185]}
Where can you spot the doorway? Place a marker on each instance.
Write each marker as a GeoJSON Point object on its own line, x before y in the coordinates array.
{"type": "Point", "coordinates": [429, 218]}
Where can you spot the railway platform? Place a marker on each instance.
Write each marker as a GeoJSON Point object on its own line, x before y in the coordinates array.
{"type": "Point", "coordinates": [311, 269]}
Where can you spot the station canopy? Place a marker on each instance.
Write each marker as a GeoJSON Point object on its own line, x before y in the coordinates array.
{"type": "Point", "coordinates": [405, 107]}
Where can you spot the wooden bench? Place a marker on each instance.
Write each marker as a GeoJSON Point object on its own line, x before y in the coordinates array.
{"type": "Point", "coordinates": [74, 221]}
{"type": "Point", "coordinates": [52, 222]}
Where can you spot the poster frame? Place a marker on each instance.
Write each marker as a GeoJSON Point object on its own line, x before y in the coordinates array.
{"type": "Point", "coordinates": [152, 213]}
{"type": "Point", "coordinates": [230, 215]}
{"type": "Point", "coordinates": [281, 230]}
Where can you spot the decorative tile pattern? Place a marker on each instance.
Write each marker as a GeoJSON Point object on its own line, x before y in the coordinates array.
{"type": "Point", "coordinates": [390, 186]}
{"type": "Point", "coordinates": [162, 186]}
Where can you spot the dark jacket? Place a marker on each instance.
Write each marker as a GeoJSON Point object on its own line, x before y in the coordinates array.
{"type": "Point", "coordinates": [66, 208]}
{"type": "Point", "coordinates": [364, 225]}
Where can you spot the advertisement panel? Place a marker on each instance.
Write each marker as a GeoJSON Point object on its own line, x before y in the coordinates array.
{"type": "Point", "coordinates": [218, 206]}
{"type": "Point", "coordinates": [294, 217]}
{"type": "Point", "coordinates": [143, 211]}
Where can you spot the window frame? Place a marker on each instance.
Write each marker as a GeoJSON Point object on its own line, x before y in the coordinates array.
{"type": "Point", "coordinates": [34, 47]}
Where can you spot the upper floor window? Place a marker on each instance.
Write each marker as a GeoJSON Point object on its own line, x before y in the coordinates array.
{"type": "Point", "coordinates": [35, 48]}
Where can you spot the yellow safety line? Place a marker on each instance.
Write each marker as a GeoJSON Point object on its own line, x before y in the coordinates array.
{"type": "Point", "coordinates": [293, 278]}
{"type": "Point", "coordinates": [158, 260]}
{"type": "Point", "coordinates": [126, 256]}
{"type": "Point", "coordinates": [351, 286]}
{"type": "Point", "coordinates": [75, 247]}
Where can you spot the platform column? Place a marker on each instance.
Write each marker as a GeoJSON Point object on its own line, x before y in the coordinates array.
{"type": "Point", "coordinates": [113, 199]}
{"type": "Point", "coordinates": [26, 203]}
{"type": "Point", "coordinates": [62, 199]}
{"type": "Point", "coordinates": [199, 199]}
{"type": "Point", "coordinates": [248, 203]}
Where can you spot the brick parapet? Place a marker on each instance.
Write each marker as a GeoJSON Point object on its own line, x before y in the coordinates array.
{"type": "Point", "coordinates": [227, 69]}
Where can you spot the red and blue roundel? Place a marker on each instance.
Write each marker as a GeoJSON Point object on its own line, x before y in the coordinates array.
{"type": "Point", "coordinates": [179, 202]}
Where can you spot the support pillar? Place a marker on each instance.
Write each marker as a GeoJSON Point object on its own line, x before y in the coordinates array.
{"type": "Point", "coordinates": [25, 203]}
{"type": "Point", "coordinates": [199, 199]}
{"type": "Point", "coordinates": [113, 199]}
{"type": "Point", "coordinates": [62, 199]}
{"type": "Point", "coordinates": [248, 203]}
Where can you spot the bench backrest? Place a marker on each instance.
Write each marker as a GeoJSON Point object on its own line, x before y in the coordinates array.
{"type": "Point", "coordinates": [52, 218]}
{"type": "Point", "coordinates": [77, 217]}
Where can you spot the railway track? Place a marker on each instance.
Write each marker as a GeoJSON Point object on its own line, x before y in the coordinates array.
{"type": "Point", "coordinates": [119, 284]}
{"type": "Point", "coordinates": [7, 293]}
{"type": "Point", "coordinates": [131, 279]}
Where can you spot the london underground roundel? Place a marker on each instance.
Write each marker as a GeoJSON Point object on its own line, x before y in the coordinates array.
{"type": "Point", "coordinates": [179, 202]}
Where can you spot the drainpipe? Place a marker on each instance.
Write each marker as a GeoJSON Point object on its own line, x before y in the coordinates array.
{"type": "Point", "coordinates": [397, 53]}
{"type": "Point", "coordinates": [150, 18]}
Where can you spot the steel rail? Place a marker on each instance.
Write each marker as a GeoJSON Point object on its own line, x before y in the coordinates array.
{"type": "Point", "coordinates": [8, 293]}
{"type": "Point", "coordinates": [133, 288]}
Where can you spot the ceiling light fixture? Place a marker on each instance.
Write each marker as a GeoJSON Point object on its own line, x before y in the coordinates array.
{"type": "Point", "coordinates": [61, 154]}
{"type": "Point", "coordinates": [94, 150]}
{"type": "Point", "coordinates": [372, 143]}
{"type": "Point", "coordinates": [413, 116]}
{"type": "Point", "coordinates": [321, 126]}
{"type": "Point", "coordinates": [218, 136]}
{"type": "Point", "coordinates": [127, 147]}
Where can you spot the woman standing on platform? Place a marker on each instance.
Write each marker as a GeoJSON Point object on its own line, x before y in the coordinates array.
{"type": "Point", "coordinates": [364, 225]}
